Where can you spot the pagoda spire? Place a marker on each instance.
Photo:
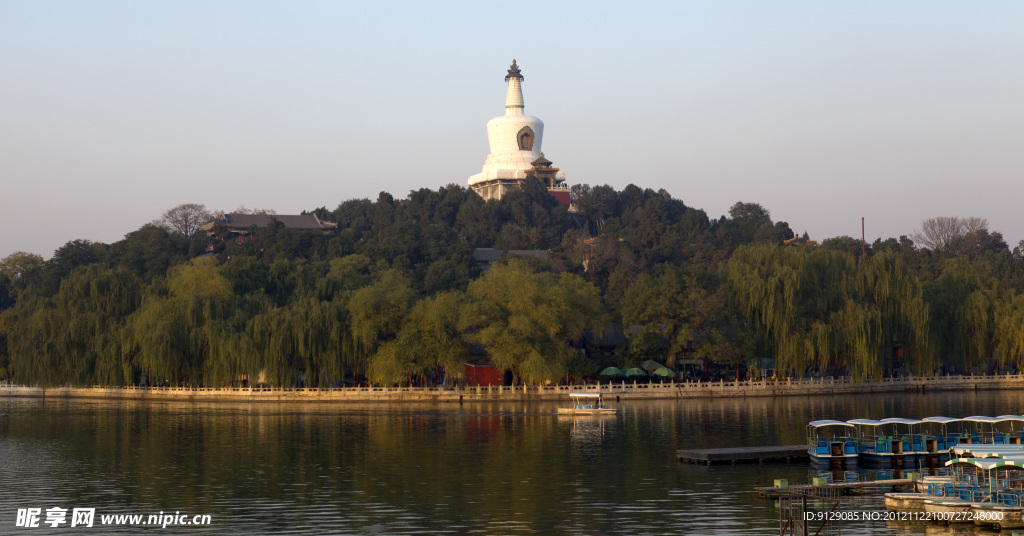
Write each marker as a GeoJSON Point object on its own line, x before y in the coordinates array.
{"type": "Point", "coordinates": [514, 95]}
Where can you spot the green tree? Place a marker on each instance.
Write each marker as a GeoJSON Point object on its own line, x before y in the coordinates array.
{"type": "Point", "coordinates": [595, 204]}
{"type": "Point", "coordinates": [432, 337]}
{"type": "Point", "coordinates": [659, 314]}
{"type": "Point", "coordinates": [378, 312]}
{"type": "Point", "coordinates": [745, 220]}
{"type": "Point", "coordinates": [851, 245]}
{"type": "Point", "coordinates": [528, 320]}
{"type": "Point", "coordinates": [149, 251]}
{"type": "Point", "coordinates": [676, 311]}
{"type": "Point", "coordinates": [21, 268]}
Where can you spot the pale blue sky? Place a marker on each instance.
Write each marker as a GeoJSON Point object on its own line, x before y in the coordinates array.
{"type": "Point", "coordinates": [823, 112]}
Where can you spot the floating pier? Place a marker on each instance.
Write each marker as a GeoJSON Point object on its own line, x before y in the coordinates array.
{"type": "Point", "coordinates": [743, 454]}
{"type": "Point", "coordinates": [880, 486]}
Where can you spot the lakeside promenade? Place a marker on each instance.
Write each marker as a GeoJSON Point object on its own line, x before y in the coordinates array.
{"type": "Point", "coordinates": [619, 391]}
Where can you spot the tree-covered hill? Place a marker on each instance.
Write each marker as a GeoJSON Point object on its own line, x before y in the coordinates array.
{"type": "Point", "coordinates": [394, 295]}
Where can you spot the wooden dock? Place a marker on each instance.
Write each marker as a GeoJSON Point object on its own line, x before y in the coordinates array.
{"type": "Point", "coordinates": [743, 454]}
{"type": "Point", "coordinates": [880, 486]}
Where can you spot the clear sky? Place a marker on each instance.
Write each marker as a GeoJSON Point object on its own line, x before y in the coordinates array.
{"type": "Point", "coordinates": [823, 112]}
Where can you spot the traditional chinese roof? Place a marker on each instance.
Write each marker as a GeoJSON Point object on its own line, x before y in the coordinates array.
{"type": "Point", "coordinates": [541, 162]}
{"type": "Point", "coordinates": [242, 222]}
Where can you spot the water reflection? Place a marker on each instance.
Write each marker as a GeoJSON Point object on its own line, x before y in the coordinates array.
{"type": "Point", "coordinates": [476, 468]}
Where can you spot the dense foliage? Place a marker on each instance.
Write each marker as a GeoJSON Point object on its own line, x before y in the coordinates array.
{"type": "Point", "coordinates": [395, 296]}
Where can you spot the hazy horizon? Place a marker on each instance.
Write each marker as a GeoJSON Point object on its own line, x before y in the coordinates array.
{"type": "Point", "coordinates": [823, 113]}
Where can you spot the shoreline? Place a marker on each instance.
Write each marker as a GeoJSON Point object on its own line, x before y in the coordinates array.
{"type": "Point", "coordinates": [622, 391]}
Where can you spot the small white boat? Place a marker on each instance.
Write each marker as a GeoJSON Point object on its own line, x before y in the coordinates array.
{"type": "Point", "coordinates": [997, 516]}
{"type": "Point", "coordinates": [906, 502]}
{"type": "Point", "coordinates": [586, 404]}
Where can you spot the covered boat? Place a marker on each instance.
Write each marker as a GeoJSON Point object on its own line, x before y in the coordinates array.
{"type": "Point", "coordinates": [877, 444]}
{"type": "Point", "coordinates": [831, 442]}
{"type": "Point", "coordinates": [586, 404]}
{"type": "Point", "coordinates": [993, 486]}
{"type": "Point", "coordinates": [907, 431]}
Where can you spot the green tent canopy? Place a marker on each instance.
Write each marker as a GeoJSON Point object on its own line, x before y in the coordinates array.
{"type": "Point", "coordinates": [611, 371]}
{"type": "Point", "coordinates": [664, 372]}
{"type": "Point", "coordinates": [650, 365]}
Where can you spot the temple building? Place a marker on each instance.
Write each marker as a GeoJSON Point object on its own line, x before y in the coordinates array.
{"type": "Point", "coordinates": [516, 156]}
{"type": "Point", "coordinates": [240, 224]}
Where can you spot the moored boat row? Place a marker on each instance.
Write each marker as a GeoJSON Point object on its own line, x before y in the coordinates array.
{"type": "Point", "coordinates": [898, 442]}
{"type": "Point", "coordinates": [984, 491]}
{"type": "Point", "coordinates": [983, 456]}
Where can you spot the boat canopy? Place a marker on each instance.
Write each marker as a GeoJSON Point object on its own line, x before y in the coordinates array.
{"type": "Point", "coordinates": [866, 422]}
{"type": "Point", "coordinates": [936, 420]}
{"type": "Point", "coordinates": [819, 424]}
{"type": "Point", "coordinates": [899, 420]}
{"type": "Point", "coordinates": [585, 395]}
{"type": "Point", "coordinates": [1011, 450]}
{"type": "Point", "coordinates": [987, 464]}
{"type": "Point", "coordinates": [941, 420]}
{"type": "Point", "coordinates": [997, 447]}
{"type": "Point", "coordinates": [989, 454]}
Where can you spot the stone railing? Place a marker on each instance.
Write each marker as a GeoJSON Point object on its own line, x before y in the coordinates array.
{"type": "Point", "coordinates": [697, 389]}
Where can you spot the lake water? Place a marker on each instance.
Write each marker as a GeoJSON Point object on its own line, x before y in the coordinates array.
{"type": "Point", "coordinates": [477, 468]}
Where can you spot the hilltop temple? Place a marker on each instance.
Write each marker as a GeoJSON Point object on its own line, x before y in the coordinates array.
{"type": "Point", "coordinates": [516, 156]}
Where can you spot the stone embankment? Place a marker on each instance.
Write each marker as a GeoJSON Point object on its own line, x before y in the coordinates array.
{"type": "Point", "coordinates": [621, 391]}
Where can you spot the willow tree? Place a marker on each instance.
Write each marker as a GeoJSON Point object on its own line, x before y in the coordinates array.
{"type": "Point", "coordinates": [1008, 333]}
{"type": "Point", "coordinates": [73, 337]}
{"type": "Point", "coordinates": [305, 339]}
{"type": "Point", "coordinates": [34, 359]}
{"type": "Point", "coordinates": [304, 329]}
{"type": "Point", "coordinates": [181, 321]}
{"type": "Point", "coordinates": [787, 299]}
{"type": "Point", "coordinates": [429, 340]}
{"type": "Point", "coordinates": [889, 298]}
{"type": "Point", "coordinates": [7, 320]}
{"type": "Point", "coordinates": [377, 313]}
{"type": "Point", "coordinates": [965, 302]}
{"type": "Point", "coordinates": [528, 320]}
{"type": "Point", "coordinates": [811, 307]}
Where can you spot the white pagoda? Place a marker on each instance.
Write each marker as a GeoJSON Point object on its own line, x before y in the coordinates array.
{"type": "Point", "coordinates": [515, 140]}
